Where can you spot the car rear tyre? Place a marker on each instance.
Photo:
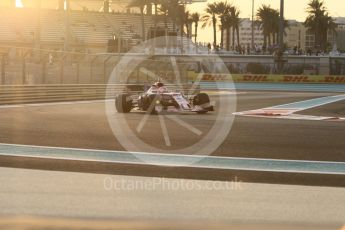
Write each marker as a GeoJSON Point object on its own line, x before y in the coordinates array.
{"type": "Point", "coordinates": [202, 100]}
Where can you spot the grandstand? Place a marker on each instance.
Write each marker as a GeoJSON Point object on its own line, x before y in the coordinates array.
{"type": "Point", "coordinates": [83, 27]}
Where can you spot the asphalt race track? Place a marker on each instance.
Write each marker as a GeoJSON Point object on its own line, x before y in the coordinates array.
{"type": "Point", "coordinates": [65, 160]}
{"type": "Point", "coordinates": [85, 125]}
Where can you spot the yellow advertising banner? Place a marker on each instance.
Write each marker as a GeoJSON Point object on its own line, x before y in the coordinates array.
{"type": "Point", "coordinates": [270, 78]}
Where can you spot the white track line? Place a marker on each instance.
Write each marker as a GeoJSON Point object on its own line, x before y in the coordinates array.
{"type": "Point", "coordinates": [163, 154]}
{"type": "Point", "coordinates": [287, 111]}
{"type": "Point", "coordinates": [164, 130]}
{"type": "Point", "coordinates": [211, 162]}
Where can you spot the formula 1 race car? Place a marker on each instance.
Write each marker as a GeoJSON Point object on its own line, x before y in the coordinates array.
{"type": "Point", "coordinates": [158, 99]}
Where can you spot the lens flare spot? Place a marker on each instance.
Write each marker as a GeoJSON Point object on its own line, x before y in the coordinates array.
{"type": "Point", "coordinates": [19, 4]}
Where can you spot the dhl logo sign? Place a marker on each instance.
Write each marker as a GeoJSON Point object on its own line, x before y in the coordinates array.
{"type": "Point", "coordinates": [274, 78]}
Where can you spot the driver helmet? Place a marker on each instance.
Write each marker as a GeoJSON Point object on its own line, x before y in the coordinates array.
{"type": "Point", "coordinates": [159, 84]}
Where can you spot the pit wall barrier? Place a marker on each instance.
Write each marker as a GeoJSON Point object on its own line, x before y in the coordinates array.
{"type": "Point", "coordinates": [269, 78]}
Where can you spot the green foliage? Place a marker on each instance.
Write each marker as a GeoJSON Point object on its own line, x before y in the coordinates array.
{"type": "Point", "coordinates": [257, 68]}
{"type": "Point", "coordinates": [319, 22]}
{"type": "Point", "coordinates": [268, 19]}
{"type": "Point", "coordinates": [233, 69]}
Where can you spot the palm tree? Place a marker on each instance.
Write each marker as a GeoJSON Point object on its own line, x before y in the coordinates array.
{"type": "Point", "coordinates": [195, 19]}
{"type": "Point", "coordinates": [210, 18]}
{"type": "Point", "coordinates": [155, 3]}
{"type": "Point", "coordinates": [227, 25]}
{"type": "Point", "coordinates": [264, 20]}
{"type": "Point", "coordinates": [275, 21]}
{"type": "Point", "coordinates": [275, 24]}
{"type": "Point", "coordinates": [141, 5]}
{"type": "Point", "coordinates": [172, 10]}
{"type": "Point", "coordinates": [164, 9]}
{"type": "Point", "coordinates": [181, 19]}
{"type": "Point", "coordinates": [187, 21]}
{"type": "Point", "coordinates": [319, 22]}
{"type": "Point", "coordinates": [269, 21]}
{"type": "Point", "coordinates": [223, 9]}
{"type": "Point", "coordinates": [236, 22]}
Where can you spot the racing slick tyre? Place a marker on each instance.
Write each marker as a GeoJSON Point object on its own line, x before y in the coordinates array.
{"type": "Point", "coordinates": [122, 104]}
{"type": "Point", "coordinates": [203, 100]}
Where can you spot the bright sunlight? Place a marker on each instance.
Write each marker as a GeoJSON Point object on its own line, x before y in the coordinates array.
{"type": "Point", "coordinates": [19, 4]}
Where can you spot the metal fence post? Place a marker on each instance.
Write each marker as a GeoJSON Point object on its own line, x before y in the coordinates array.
{"type": "Point", "coordinates": [79, 60]}
{"type": "Point", "coordinates": [105, 69]}
{"type": "Point", "coordinates": [23, 70]}
{"type": "Point", "coordinates": [3, 69]}
{"type": "Point", "coordinates": [91, 69]}
{"type": "Point", "coordinates": [44, 70]}
{"type": "Point", "coordinates": [62, 69]}
{"type": "Point", "coordinates": [78, 72]}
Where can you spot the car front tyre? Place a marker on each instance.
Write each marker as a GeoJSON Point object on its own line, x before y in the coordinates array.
{"type": "Point", "coordinates": [123, 103]}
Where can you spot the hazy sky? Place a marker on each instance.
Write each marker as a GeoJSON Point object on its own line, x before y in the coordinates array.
{"type": "Point", "coordinates": [294, 9]}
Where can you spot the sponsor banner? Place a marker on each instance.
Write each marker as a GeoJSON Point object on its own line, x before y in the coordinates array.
{"type": "Point", "coordinates": [268, 78]}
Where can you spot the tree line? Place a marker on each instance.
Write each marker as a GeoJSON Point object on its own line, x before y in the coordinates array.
{"type": "Point", "coordinates": [225, 17]}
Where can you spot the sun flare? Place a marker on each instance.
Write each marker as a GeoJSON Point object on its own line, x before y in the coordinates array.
{"type": "Point", "coordinates": [19, 4]}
